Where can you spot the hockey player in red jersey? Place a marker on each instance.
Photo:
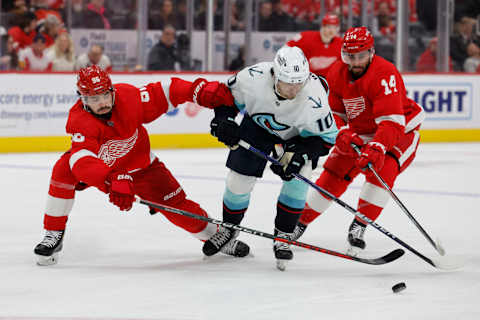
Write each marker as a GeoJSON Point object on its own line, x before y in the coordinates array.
{"type": "Point", "coordinates": [111, 151]}
{"type": "Point", "coordinates": [322, 49]}
{"type": "Point", "coordinates": [370, 106]}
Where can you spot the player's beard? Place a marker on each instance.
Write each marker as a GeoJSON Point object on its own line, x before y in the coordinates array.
{"type": "Point", "coordinates": [357, 72]}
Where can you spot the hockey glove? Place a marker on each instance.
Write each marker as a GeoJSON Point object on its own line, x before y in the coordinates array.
{"type": "Point", "coordinates": [374, 153]}
{"type": "Point", "coordinates": [224, 127]}
{"type": "Point", "coordinates": [120, 190]}
{"type": "Point", "coordinates": [298, 151]}
{"type": "Point", "coordinates": [211, 94]}
{"type": "Point", "coordinates": [344, 141]}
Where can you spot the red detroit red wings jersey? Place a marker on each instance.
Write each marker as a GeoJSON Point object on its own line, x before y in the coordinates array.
{"type": "Point", "coordinates": [379, 95]}
{"type": "Point", "coordinates": [120, 143]}
{"type": "Point", "coordinates": [320, 56]}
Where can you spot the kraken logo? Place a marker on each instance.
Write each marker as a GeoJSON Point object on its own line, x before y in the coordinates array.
{"type": "Point", "coordinates": [268, 122]}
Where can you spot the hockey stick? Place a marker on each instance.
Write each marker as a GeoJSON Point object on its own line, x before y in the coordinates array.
{"type": "Point", "coordinates": [436, 245]}
{"type": "Point", "coordinates": [437, 264]}
{"type": "Point", "coordinates": [394, 255]}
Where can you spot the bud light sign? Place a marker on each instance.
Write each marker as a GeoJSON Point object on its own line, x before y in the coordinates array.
{"type": "Point", "coordinates": [442, 100]}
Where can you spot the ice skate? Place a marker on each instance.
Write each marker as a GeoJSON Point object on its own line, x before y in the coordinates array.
{"type": "Point", "coordinates": [236, 248]}
{"type": "Point", "coordinates": [355, 238]}
{"type": "Point", "coordinates": [299, 230]}
{"type": "Point", "coordinates": [219, 240]}
{"type": "Point", "coordinates": [47, 250]}
{"type": "Point", "coordinates": [282, 250]}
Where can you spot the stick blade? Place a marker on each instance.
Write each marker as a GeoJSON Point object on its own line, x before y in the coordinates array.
{"type": "Point", "coordinates": [392, 256]}
{"type": "Point", "coordinates": [448, 263]}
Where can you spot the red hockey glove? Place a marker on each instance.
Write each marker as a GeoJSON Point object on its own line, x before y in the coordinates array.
{"type": "Point", "coordinates": [374, 153]}
{"type": "Point", "coordinates": [211, 94]}
{"type": "Point", "coordinates": [344, 141]}
{"type": "Point", "coordinates": [120, 190]}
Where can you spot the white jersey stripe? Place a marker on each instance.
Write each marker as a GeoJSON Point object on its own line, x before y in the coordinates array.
{"type": "Point", "coordinates": [397, 118]}
{"type": "Point", "coordinates": [411, 149]}
{"type": "Point", "coordinates": [166, 91]}
{"type": "Point", "coordinates": [374, 194]}
{"type": "Point", "coordinates": [80, 154]}
{"type": "Point", "coordinates": [415, 121]}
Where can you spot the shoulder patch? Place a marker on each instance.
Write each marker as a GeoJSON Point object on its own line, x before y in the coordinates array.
{"type": "Point", "coordinates": [324, 83]}
{"type": "Point", "coordinates": [232, 80]}
{"type": "Point", "coordinates": [253, 70]}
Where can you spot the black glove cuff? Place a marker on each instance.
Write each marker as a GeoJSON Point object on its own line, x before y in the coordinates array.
{"type": "Point", "coordinates": [313, 146]}
{"type": "Point", "coordinates": [225, 112]}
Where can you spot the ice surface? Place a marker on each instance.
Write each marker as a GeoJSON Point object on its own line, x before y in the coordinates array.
{"type": "Point", "coordinates": [136, 266]}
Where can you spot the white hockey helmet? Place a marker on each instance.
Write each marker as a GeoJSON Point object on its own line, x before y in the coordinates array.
{"type": "Point", "coordinates": [290, 65]}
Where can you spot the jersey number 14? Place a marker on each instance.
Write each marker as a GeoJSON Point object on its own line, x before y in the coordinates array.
{"type": "Point", "coordinates": [390, 85]}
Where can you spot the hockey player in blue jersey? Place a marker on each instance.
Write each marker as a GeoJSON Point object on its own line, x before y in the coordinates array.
{"type": "Point", "coordinates": [283, 105]}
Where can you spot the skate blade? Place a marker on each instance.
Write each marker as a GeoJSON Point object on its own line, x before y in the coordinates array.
{"type": "Point", "coordinates": [354, 251]}
{"type": "Point", "coordinates": [281, 264]}
{"type": "Point", "coordinates": [47, 260]}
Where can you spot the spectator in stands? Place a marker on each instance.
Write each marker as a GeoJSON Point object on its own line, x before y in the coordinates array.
{"type": "Point", "coordinates": [50, 29]}
{"type": "Point", "coordinates": [181, 15]}
{"type": "Point", "coordinates": [392, 8]}
{"type": "Point", "coordinates": [303, 11]}
{"type": "Point", "coordinates": [469, 8]}
{"type": "Point", "coordinates": [62, 53]}
{"type": "Point", "coordinates": [77, 13]}
{"type": "Point", "coordinates": [281, 20]}
{"type": "Point", "coordinates": [200, 19]}
{"type": "Point", "coordinates": [239, 62]}
{"type": "Point", "coordinates": [42, 10]}
{"type": "Point", "coordinates": [9, 57]}
{"type": "Point", "coordinates": [33, 58]}
{"type": "Point", "coordinates": [24, 33]}
{"type": "Point", "coordinates": [462, 42]}
{"type": "Point", "coordinates": [383, 23]}
{"type": "Point", "coordinates": [163, 55]}
{"type": "Point", "coordinates": [96, 16]}
{"type": "Point", "coordinates": [15, 11]}
{"type": "Point", "coordinates": [473, 61]}
{"type": "Point", "coordinates": [95, 56]}
{"type": "Point", "coordinates": [427, 62]}
{"type": "Point", "coordinates": [157, 19]}
{"type": "Point", "coordinates": [265, 19]}
{"type": "Point", "coordinates": [236, 17]}
{"type": "Point", "coordinates": [122, 13]}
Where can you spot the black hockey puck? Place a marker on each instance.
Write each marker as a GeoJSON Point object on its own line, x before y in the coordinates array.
{"type": "Point", "coordinates": [399, 287]}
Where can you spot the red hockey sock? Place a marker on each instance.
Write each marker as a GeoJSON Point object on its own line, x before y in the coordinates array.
{"type": "Point", "coordinates": [54, 223]}
{"type": "Point", "coordinates": [189, 224]}
{"type": "Point", "coordinates": [308, 215]}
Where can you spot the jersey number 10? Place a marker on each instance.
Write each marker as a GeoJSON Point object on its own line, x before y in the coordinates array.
{"type": "Point", "coordinates": [325, 123]}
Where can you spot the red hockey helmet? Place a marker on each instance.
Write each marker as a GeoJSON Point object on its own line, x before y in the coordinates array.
{"type": "Point", "coordinates": [93, 80]}
{"type": "Point", "coordinates": [330, 19]}
{"type": "Point", "coordinates": [357, 39]}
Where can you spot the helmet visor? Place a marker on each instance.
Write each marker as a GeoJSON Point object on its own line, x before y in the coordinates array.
{"type": "Point", "coordinates": [357, 57]}
{"type": "Point", "coordinates": [98, 99]}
